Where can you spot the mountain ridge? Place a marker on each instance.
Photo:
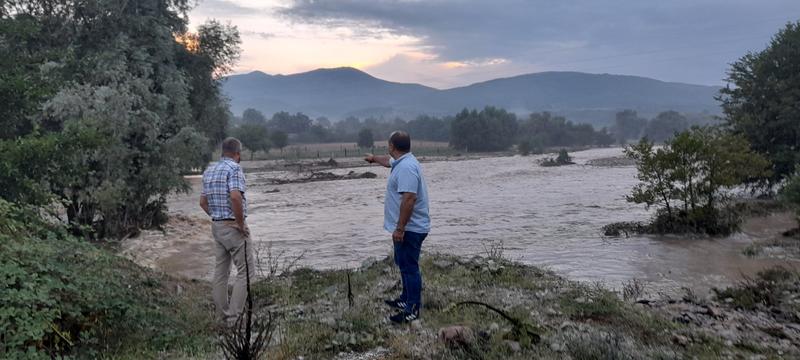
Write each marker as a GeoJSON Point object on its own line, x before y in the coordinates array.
{"type": "Point", "coordinates": [345, 91]}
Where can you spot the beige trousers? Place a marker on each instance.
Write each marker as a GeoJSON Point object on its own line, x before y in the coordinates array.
{"type": "Point", "coordinates": [229, 246]}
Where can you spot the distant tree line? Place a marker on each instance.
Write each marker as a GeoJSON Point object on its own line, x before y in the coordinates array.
{"type": "Point", "coordinates": [490, 129]}
{"type": "Point", "coordinates": [629, 126]}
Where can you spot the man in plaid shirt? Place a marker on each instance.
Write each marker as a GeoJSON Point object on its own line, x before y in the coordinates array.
{"type": "Point", "coordinates": [223, 198]}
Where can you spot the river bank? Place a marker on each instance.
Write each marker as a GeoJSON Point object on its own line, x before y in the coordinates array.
{"type": "Point", "coordinates": [339, 314]}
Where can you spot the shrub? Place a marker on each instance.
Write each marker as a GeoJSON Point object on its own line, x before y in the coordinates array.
{"type": "Point", "coordinates": [63, 296]}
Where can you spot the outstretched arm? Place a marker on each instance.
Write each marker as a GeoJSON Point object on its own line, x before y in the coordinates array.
{"type": "Point", "coordinates": [379, 159]}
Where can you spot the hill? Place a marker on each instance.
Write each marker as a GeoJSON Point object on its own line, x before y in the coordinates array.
{"type": "Point", "coordinates": [341, 92]}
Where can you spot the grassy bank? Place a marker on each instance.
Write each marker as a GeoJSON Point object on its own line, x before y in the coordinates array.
{"type": "Point", "coordinates": [579, 320]}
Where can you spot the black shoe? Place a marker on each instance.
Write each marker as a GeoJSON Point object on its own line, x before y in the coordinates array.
{"type": "Point", "coordinates": [404, 317]}
{"type": "Point", "coordinates": [396, 303]}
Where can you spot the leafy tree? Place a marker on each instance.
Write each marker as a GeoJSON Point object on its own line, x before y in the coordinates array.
{"type": "Point", "coordinates": [628, 125]}
{"type": "Point", "coordinates": [791, 192]}
{"type": "Point", "coordinates": [290, 124]}
{"type": "Point", "coordinates": [429, 128]}
{"type": "Point", "coordinates": [253, 116]}
{"type": "Point", "coordinates": [365, 139]}
{"type": "Point", "coordinates": [207, 55]}
{"type": "Point", "coordinates": [551, 131]}
{"type": "Point", "coordinates": [689, 176]}
{"type": "Point", "coordinates": [665, 125]}
{"type": "Point", "coordinates": [762, 103]}
{"type": "Point", "coordinates": [323, 122]}
{"type": "Point", "coordinates": [524, 147]}
{"type": "Point", "coordinates": [491, 129]}
{"type": "Point", "coordinates": [122, 96]}
{"type": "Point", "coordinates": [279, 139]}
{"type": "Point", "coordinates": [254, 137]}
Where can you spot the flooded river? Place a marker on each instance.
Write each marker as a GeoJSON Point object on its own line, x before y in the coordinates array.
{"type": "Point", "coordinates": [546, 216]}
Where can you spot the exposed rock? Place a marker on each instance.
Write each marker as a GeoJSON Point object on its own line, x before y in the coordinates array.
{"type": "Point", "coordinates": [681, 340]}
{"type": "Point", "coordinates": [513, 346]}
{"type": "Point", "coordinates": [442, 264]}
{"type": "Point", "coordinates": [457, 336]}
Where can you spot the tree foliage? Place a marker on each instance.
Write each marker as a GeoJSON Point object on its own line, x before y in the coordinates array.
{"type": "Point", "coordinates": [254, 137]}
{"type": "Point", "coordinates": [665, 126]}
{"type": "Point", "coordinates": [365, 139]}
{"type": "Point", "coordinates": [290, 124]}
{"type": "Point", "coordinates": [763, 103]}
{"type": "Point", "coordinates": [490, 129]}
{"type": "Point", "coordinates": [116, 100]}
{"type": "Point", "coordinates": [688, 177]}
{"type": "Point", "coordinates": [279, 139]}
{"type": "Point", "coordinates": [791, 192]}
{"type": "Point", "coordinates": [65, 298]}
{"type": "Point", "coordinates": [253, 116]}
{"type": "Point", "coordinates": [545, 130]}
{"type": "Point", "coordinates": [628, 125]}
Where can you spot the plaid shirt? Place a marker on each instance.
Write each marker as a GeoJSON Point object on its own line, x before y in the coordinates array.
{"type": "Point", "coordinates": [218, 181]}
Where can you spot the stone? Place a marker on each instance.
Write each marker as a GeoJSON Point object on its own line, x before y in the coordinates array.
{"type": "Point", "coordinates": [456, 336]}
{"type": "Point", "coordinates": [513, 346]}
{"type": "Point", "coordinates": [714, 311]}
{"type": "Point", "coordinates": [416, 325]}
{"type": "Point", "coordinates": [442, 264]}
{"type": "Point", "coordinates": [681, 340]}
{"type": "Point", "coordinates": [494, 327]}
{"type": "Point", "coordinates": [328, 321]}
{"type": "Point", "coordinates": [557, 346]}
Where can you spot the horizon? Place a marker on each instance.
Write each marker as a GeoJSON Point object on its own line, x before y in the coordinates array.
{"type": "Point", "coordinates": [444, 44]}
{"type": "Point", "coordinates": [466, 85]}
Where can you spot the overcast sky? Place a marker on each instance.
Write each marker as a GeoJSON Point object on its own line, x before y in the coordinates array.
{"type": "Point", "coordinates": [448, 43]}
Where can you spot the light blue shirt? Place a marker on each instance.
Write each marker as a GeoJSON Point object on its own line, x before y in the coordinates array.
{"type": "Point", "coordinates": [406, 176]}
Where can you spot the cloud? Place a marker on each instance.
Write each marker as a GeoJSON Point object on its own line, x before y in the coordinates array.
{"type": "Point", "coordinates": [618, 35]}
{"type": "Point", "coordinates": [260, 34]}
{"type": "Point", "coordinates": [224, 8]}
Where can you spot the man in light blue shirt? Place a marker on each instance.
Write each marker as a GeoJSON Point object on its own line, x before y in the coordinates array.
{"type": "Point", "coordinates": [406, 216]}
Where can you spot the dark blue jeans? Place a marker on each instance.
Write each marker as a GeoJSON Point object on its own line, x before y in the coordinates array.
{"type": "Point", "coordinates": [406, 256]}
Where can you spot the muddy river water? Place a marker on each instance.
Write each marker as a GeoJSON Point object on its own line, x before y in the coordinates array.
{"type": "Point", "coordinates": [546, 216]}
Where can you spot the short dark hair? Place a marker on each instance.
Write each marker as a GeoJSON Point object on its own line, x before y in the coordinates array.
{"type": "Point", "coordinates": [231, 145]}
{"type": "Point", "coordinates": [401, 141]}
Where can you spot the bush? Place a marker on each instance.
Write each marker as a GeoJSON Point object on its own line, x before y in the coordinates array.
{"type": "Point", "coordinates": [790, 193]}
{"type": "Point", "coordinates": [64, 297]}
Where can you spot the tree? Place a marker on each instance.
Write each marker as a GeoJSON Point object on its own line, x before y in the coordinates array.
{"type": "Point", "coordinates": [322, 121]}
{"type": "Point", "coordinates": [290, 124]}
{"type": "Point", "coordinates": [790, 193]}
{"type": "Point", "coordinates": [628, 125]}
{"type": "Point", "coordinates": [365, 139]}
{"type": "Point", "coordinates": [689, 176]}
{"type": "Point", "coordinates": [491, 129]}
{"type": "Point", "coordinates": [762, 103]}
{"type": "Point", "coordinates": [548, 130]}
{"type": "Point", "coordinates": [665, 125]}
{"type": "Point", "coordinates": [125, 95]}
{"type": "Point", "coordinates": [253, 116]}
{"type": "Point", "coordinates": [254, 137]}
{"type": "Point", "coordinates": [524, 147]}
{"type": "Point", "coordinates": [279, 139]}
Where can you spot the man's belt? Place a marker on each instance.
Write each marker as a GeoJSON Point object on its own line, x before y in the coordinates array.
{"type": "Point", "coordinates": [223, 219]}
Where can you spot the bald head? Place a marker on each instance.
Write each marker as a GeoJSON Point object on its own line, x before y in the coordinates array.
{"type": "Point", "coordinates": [401, 141]}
